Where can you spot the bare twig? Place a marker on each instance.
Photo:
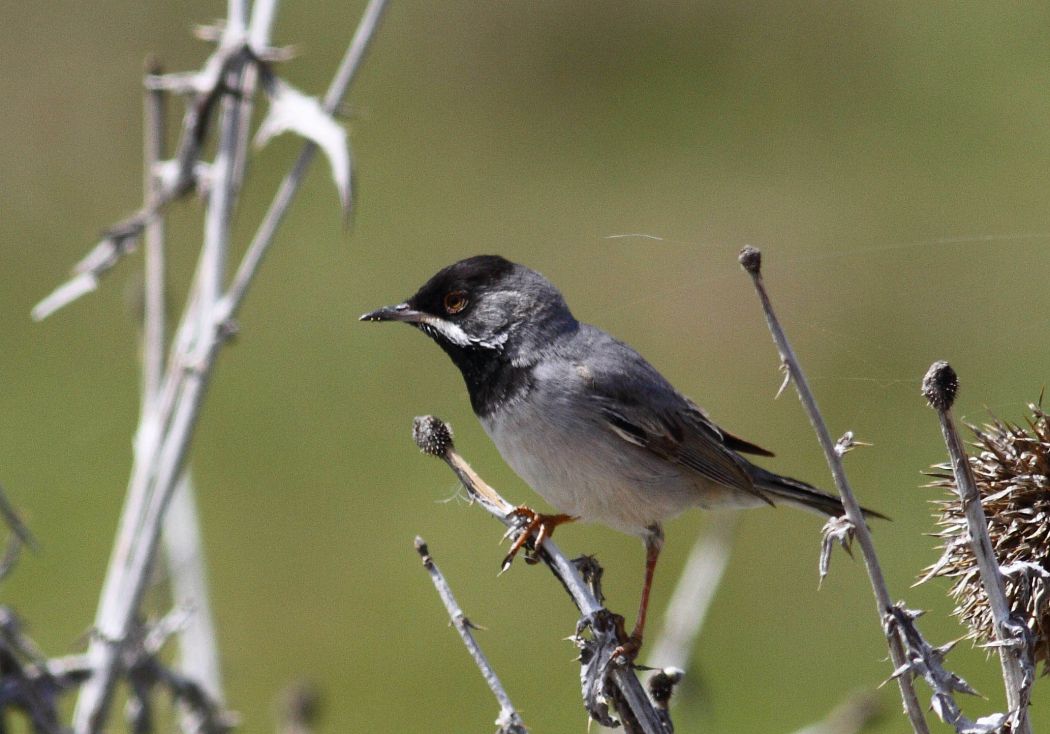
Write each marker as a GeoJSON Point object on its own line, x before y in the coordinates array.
{"type": "Point", "coordinates": [940, 386]}
{"type": "Point", "coordinates": [434, 438]}
{"type": "Point", "coordinates": [751, 260]}
{"type": "Point", "coordinates": [508, 721]}
{"type": "Point", "coordinates": [199, 655]}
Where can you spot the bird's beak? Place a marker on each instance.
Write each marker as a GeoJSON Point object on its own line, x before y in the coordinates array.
{"type": "Point", "coordinates": [400, 312]}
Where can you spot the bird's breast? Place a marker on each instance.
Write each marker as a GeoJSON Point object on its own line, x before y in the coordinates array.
{"type": "Point", "coordinates": [581, 468]}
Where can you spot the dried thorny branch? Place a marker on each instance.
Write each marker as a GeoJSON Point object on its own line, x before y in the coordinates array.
{"type": "Point", "coordinates": [146, 673]}
{"type": "Point", "coordinates": [29, 682]}
{"type": "Point", "coordinates": [1011, 634]}
{"type": "Point", "coordinates": [751, 260]}
{"type": "Point", "coordinates": [927, 662]}
{"type": "Point", "coordinates": [181, 534]}
{"type": "Point", "coordinates": [219, 100]}
{"type": "Point", "coordinates": [603, 679]}
{"type": "Point", "coordinates": [225, 81]}
{"type": "Point", "coordinates": [508, 721]}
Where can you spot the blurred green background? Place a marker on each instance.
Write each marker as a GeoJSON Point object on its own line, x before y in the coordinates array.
{"type": "Point", "coordinates": [890, 159]}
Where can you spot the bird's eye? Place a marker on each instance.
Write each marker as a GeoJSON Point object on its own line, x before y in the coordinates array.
{"type": "Point", "coordinates": [455, 302]}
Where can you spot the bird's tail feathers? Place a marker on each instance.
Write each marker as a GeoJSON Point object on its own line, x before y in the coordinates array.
{"type": "Point", "coordinates": [806, 496]}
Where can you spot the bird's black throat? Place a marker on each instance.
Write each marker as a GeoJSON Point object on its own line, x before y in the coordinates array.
{"type": "Point", "coordinates": [492, 379]}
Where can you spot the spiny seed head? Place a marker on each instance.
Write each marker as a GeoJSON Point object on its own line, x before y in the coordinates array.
{"type": "Point", "coordinates": [1011, 466]}
{"type": "Point", "coordinates": [940, 385]}
{"type": "Point", "coordinates": [432, 435]}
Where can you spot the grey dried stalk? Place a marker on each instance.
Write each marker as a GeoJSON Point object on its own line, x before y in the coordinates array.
{"type": "Point", "coordinates": [751, 260]}
{"type": "Point", "coordinates": [164, 433]}
{"type": "Point", "coordinates": [181, 535]}
{"type": "Point", "coordinates": [508, 721]}
{"type": "Point", "coordinates": [1011, 636]}
{"type": "Point", "coordinates": [434, 438]}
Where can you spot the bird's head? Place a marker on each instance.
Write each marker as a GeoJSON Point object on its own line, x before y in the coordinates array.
{"type": "Point", "coordinates": [485, 306]}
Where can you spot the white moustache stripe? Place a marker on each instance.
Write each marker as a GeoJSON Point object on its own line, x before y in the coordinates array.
{"type": "Point", "coordinates": [450, 331]}
{"type": "Point", "coordinates": [455, 334]}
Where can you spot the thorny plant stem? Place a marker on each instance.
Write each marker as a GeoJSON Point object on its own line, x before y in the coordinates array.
{"type": "Point", "coordinates": [199, 654]}
{"type": "Point", "coordinates": [509, 720]}
{"type": "Point", "coordinates": [566, 572]}
{"type": "Point", "coordinates": [751, 260]}
{"type": "Point", "coordinates": [129, 570]}
{"type": "Point", "coordinates": [164, 435]}
{"type": "Point", "coordinates": [939, 386]}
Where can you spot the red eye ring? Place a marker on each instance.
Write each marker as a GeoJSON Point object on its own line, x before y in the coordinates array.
{"type": "Point", "coordinates": [455, 301]}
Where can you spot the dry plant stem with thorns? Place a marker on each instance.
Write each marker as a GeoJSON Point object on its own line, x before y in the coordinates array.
{"type": "Point", "coordinates": [173, 395]}
{"type": "Point", "coordinates": [508, 721]}
{"type": "Point", "coordinates": [751, 260]}
{"type": "Point", "coordinates": [636, 710]}
{"type": "Point", "coordinates": [1011, 636]}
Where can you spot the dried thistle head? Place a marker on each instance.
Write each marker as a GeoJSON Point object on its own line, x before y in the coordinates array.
{"type": "Point", "coordinates": [1011, 466]}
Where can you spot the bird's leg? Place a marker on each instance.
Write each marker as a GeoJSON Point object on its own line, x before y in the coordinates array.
{"type": "Point", "coordinates": [537, 527]}
{"type": "Point", "coordinates": [654, 541]}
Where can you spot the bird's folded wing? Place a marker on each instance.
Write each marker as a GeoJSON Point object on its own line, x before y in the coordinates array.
{"type": "Point", "coordinates": [674, 430]}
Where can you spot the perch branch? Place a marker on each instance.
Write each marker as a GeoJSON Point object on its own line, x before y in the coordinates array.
{"type": "Point", "coordinates": [940, 386]}
{"type": "Point", "coordinates": [509, 721]}
{"type": "Point", "coordinates": [434, 438]}
{"type": "Point", "coordinates": [751, 260]}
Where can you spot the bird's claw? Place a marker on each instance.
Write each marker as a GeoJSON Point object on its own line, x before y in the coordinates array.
{"type": "Point", "coordinates": [630, 644]}
{"type": "Point", "coordinates": [533, 528]}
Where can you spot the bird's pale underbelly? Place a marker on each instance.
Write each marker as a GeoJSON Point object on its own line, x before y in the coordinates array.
{"type": "Point", "coordinates": [583, 469]}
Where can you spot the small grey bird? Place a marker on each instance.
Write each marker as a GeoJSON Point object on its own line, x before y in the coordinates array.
{"type": "Point", "coordinates": [581, 416]}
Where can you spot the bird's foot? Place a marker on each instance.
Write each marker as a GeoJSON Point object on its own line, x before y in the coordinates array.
{"type": "Point", "coordinates": [534, 529]}
{"type": "Point", "coordinates": [630, 644]}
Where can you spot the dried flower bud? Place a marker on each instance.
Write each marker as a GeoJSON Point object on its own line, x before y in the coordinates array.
{"type": "Point", "coordinates": [432, 435]}
{"type": "Point", "coordinates": [751, 259]}
{"type": "Point", "coordinates": [1012, 469]}
{"type": "Point", "coordinates": [940, 385]}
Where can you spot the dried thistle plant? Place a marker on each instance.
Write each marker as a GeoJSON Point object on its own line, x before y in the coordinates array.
{"type": "Point", "coordinates": [1011, 466]}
